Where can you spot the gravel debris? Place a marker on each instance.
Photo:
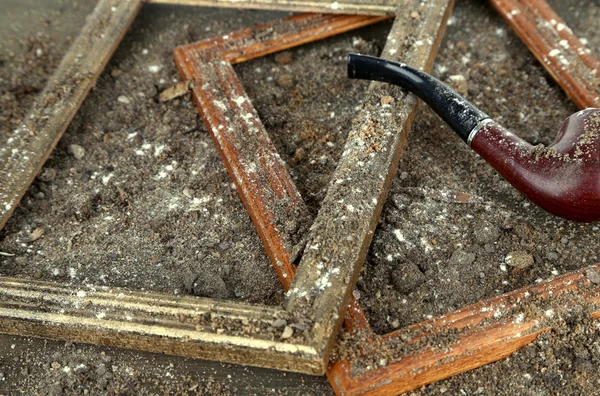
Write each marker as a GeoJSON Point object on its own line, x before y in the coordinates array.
{"type": "Point", "coordinates": [77, 151]}
{"type": "Point", "coordinates": [519, 259]}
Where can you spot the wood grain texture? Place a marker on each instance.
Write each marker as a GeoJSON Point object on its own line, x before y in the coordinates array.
{"type": "Point", "coordinates": [471, 337]}
{"type": "Point", "coordinates": [30, 145]}
{"type": "Point", "coordinates": [232, 332]}
{"type": "Point", "coordinates": [185, 326]}
{"type": "Point", "coordinates": [260, 175]}
{"type": "Point", "coordinates": [553, 43]}
{"type": "Point", "coordinates": [359, 7]}
{"type": "Point", "coordinates": [240, 46]}
{"type": "Point", "coordinates": [342, 232]}
{"type": "Point", "coordinates": [463, 339]}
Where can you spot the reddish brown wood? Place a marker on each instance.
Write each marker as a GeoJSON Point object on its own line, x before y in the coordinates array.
{"type": "Point", "coordinates": [462, 340]}
{"type": "Point", "coordinates": [193, 60]}
{"type": "Point", "coordinates": [20, 310]}
{"type": "Point", "coordinates": [260, 175]}
{"type": "Point", "coordinates": [217, 93]}
{"type": "Point", "coordinates": [564, 178]}
{"type": "Point", "coordinates": [556, 47]}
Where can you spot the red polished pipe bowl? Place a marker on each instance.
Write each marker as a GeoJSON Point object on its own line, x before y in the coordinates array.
{"type": "Point", "coordinates": [563, 178]}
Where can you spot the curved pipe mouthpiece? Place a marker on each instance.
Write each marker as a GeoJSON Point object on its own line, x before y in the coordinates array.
{"type": "Point", "coordinates": [563, 178]}
{"type": "Point", "coordinates": [457, 112]}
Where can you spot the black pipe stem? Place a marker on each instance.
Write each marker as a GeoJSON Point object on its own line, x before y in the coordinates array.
{"type": "Point", "coordinates": [454, 109]}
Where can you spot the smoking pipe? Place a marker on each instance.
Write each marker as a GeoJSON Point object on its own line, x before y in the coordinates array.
{"type": "Point", "coordinates": [563, 178]}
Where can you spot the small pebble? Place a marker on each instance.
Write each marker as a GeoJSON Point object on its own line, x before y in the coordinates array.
{"type": "Point", "coordinates": [224, 246]}
{"type": "Point", "coordinates": [300, 326]}
{"type": "Point", "coordinates": [582, 365]}
{"type": "Point", "coordinates": [462, 197]}
{"type": "Point", "coordinates": [460, 258]}
{"type": "Point", "coordinates": [283, 58]}
{"type": "Point", "coordinates": [36, 234]}
{"type": "Point", "coordinates": [285, 81]}
{"type": "Point", "coordinates": [299, 155]}
{"type": "Point", "coordinates": [519, 259]}
{"type": "Point", "coordinates": [77, 151]}
{"type": "Point", "coordinates": [279, 323]}
{"type": "Point", "coordinates": [486, 233]}
{"type": "Point", "coordinates": [287, 332]}
{"type": "Point", "coordinates": [406, 277]}
{"type": "Point", "coordinates": [123, 99]}
{"type": "Point", "coordinates": [386, 100]}
{"type": "Point", "coordinates": [489, 248]}
{"type": "Point", "coordinates": [459, 83]}
{"type": "Point", "coordinates": [101, 369]}
{"type": "Point", "coordinates": [154, 68]}
{"type": "Point", "coordinates": [55, 365]}
{"type": "Point", "coordinates": [206, 285]}
{"type": "Point", "coordinates": [175, 91]}
{"type": "Point", "coordinates": [47, 174]}
{"type": "Point", "coordinates": [593, 276]}
{"type": "Point", "coordinates": [105, 358]}
{"type": "Point", "coordinates": [552, 256]}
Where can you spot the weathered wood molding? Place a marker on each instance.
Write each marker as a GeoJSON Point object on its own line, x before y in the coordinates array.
{"type": "Point", "coordinates": [28, 148]}
{"type": "Point", "coordinates": [245, 333]}
{"type": "Point", "coordinates": [461, 340]}
{"type": "Point", "coordinates": [556, 47]}
{"type": "Point", "coordinates": [464, 339]}
{"type": "Point", "coordinates": [358, 7]}
{"type": "Point", "coordinates": [260, 175]}
{"type": "Point", "coordinates": [227, 331]}
{"type": "Point", "coordinates": [186, 326]}
{"type": "Point", "coordinates": [342, 232]}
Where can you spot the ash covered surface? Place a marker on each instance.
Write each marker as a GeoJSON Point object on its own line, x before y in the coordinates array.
{"type": "Point", "coordinates": [41, 367]}
{"type": "Point", "coordinates": [135, 194]}
{"type": "Point", "coordinates": [453, 228]}
{"type": "Point", "coordinates": [453, 231]}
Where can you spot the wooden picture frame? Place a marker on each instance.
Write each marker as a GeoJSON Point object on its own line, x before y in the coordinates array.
{"type": "Point", "coordinates": [260, 175]}
{"type": "Point", "coordinates": [356, 7]}
{"type": "Point", "coordinates": [204, 328]}
{"type": "Point", "coordinates": [244, 333]}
